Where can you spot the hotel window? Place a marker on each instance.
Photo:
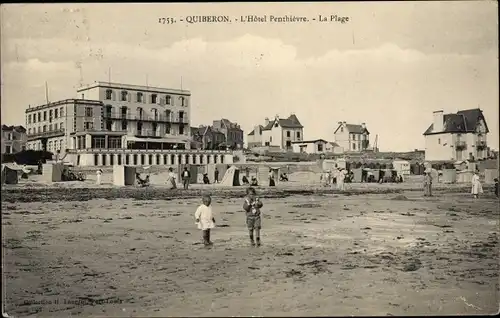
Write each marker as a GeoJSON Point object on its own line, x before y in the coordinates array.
{"type": "Point", "coordinates": [29, 119]}
{"type": "Point", "coordinates": [139, 97]}
{"type": "Point", "coordinates": [98, 142]}
{"type": "Point", "coordinates": [61, 112]}
{"type": "Point", "coordinates": [168, 99]}
{"type": "Point", "coordinates": [50, 127]}
{"type": "Point", "coordinates": [182, 100]}
{"type": "Point", "coordinates": [34, 118]}
{"type": "Point", "coordinates": [89, 125]}
{"type": "Point", "coordinates": [88, 112]}
{"type": "Point", "coordinates": [56, 113]}
{"type": "Point", "coordinates": [44, 128]}
{"type": "Point", "coordinates": [109, 94]}
{"type": "Point", "coordinates": [115, 142]}
{"type": "Point", "coordinates": [155, 113]}
{"type": "Point", "coordinates": [153, 98]}
{"type": "Point", "coordinates": [29, 131]}
{"type": "Point", "coordinates": [61, 126]}
{"type": "Point", "coordinates": [45, 115]}
{"type": "Point", "coordinates": [298, 134]}
{"type": "Point", "coordinates": [167, 129]}
{"type": "Point", "coordinates": [139, 112]}
{"type": "Point", "coordinates": [288, 133]}
{"type": "Point", "coordinates": [50, 113]}
{"type": "Point", "coordinates": [181, 130]}
{"type": "Point", "coordinates": [39, 129]}
{"type": "Point", "coordinates": [124, 96]}
{"type": "Point", "coordinates": [39, 117]}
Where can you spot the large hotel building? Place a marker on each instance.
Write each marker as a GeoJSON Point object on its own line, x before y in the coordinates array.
{"type": "Point", "coordinates": [111, 123]}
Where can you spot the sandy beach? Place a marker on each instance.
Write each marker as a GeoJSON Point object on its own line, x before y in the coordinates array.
{"type": "Point", "coordinates": [136, 252]}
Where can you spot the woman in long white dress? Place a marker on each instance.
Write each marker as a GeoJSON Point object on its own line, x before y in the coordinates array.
{"type": "Point", "coordinates": [171, 183]}
{"type": "Point", "coordinates": [477, 188]}
{"type": "Point", "coordinates": [340, 180]}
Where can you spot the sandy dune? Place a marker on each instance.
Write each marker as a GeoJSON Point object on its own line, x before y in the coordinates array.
{"type": "Point", "coordinates": [323, 254]}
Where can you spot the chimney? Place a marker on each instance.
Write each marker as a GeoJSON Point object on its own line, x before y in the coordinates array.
{"type": "Point", "coordinates": [266, 121]}
{"type": "Point", "coordinates": [363, 125]}
{"type": "Point", "coordinates": [438, 121]}
{"type": "Point", "coordinates": [340, 123]}
{"type": "Point", "coordinates": [344, 122]}
{"type": "Point", "coordinates": [277, 116]}
{"type": "Point", "coordinates": [256, 130]}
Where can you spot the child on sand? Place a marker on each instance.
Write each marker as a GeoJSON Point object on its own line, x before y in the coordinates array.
{"type": "Point", "coordinates": [205, 219]}
{"type": "Point", "coordinates": [252, 206]}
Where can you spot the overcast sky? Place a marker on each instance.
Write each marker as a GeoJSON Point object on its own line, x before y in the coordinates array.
{"type": "Point", "coordinates": [390, 66]}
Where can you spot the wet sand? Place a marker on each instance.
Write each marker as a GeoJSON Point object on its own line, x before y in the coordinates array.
{"type": "Point", "coordinates": [323, 254]}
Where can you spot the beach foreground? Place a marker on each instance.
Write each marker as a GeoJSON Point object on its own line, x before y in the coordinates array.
{"type": "Point", "coordinates": [322, 254]}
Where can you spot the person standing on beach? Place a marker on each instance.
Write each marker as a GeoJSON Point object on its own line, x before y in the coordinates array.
{"type": "Point", "coordinates": [171, 179]}
{"type": "Point", "coordinates": [98, 176]}
{"type": "Point", "coordinates": [340, 180]}
{"type": "Point", "coordinates": [477, 188]}
{"type": "Point", "coordinates": [428, 184]}
{"type": "Point", "coordinates": [216, 175]}
{"type": "Point", "coordinates": [252, 206]}
{"type": "Point", "coordinates": [496, 186]}
{"type": "Point", "coordinates": [186, 177]}
{"type": "Point", "coordinates": [205, 219]}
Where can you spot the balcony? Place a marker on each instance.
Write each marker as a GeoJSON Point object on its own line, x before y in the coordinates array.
{"type": "Point", "coordinates": [148, 134]}
{"type": "Point", "coordinates": [481, 145]}
{"type": "Point", "coordinates": [159, 118]}
{"type": "Point", "coordinates": [460, 145]}
{"type": "Point", "coordinates": [47, 134]}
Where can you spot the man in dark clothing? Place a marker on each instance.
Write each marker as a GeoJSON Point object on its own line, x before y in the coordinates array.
{"type": "Point", "coordinates": [186, 177]}
{"type": "Point", "coordinates": [496, 187]}
{"type": "Point", "coordinates": [216, 175]}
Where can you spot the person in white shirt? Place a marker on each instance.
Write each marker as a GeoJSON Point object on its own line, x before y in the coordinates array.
{"type": "Point", "coordinates": [186, 177]}
{"type": "Point", "coordinates": [98, 176]}
{"type": "Point", "coordinates": [205, 219]}
{"type": "Point", "coordinates": [477, 188]}
{"type": "Point", "coordinates": [171, 179]}
{"type": "Point", "coordinates": [340, 179]}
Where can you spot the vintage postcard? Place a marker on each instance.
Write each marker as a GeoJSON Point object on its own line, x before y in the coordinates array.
{"type": "Point", "coordinates": [250, 159]}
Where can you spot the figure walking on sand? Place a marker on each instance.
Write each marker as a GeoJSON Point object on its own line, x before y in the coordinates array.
{"type": "Point", "coordinates": [205, 219]}
{"type": "Point", "coordinates": [477, 188]}
{"type": "Point", "coordinates": [216, 175]}
{"type": "Point", "coordinates": [171, 179]}
{"type": "Point", "coordinates": [340, 180]}
{"type": "Point", "coordinates": [98, 176]}
{"type": "Point", "coordinates": [186, 178]}
{"type": "Point", "coordinates": [428, 184]}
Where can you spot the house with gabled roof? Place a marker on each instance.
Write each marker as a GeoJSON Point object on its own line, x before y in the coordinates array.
{"type": "Point", "coordinates": [13, 139]}
{"type": "Point", "coordinates": [351, 137]}
{"type": "Point", "coordinates": [232, 132]}
{"type": "Point", "coordinates": [457, 136]}
{"type": "Point", "coordinates": [207, 138]}
{"type": "Point", "coordinates": [279, 132]}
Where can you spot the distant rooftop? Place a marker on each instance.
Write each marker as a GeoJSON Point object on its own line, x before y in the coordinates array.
{"type": "Point", "coordinates": [134, 87]}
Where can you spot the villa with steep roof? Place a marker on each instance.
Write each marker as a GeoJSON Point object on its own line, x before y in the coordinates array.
{"type": "Point", "coordinates": [352, 138]}
{"type": "Point", "coordinates": [279, 132]}
{"type": "Point", "coordinates": [456, 136]}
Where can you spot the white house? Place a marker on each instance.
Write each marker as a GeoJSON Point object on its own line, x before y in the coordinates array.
{"type": "Point", "coordinates": [456, 136]}
{"type": "Point", "coordinates": [315, 146]}
{"type": "Point", "coordinates": [277, 133]}
{"type": "Point", "coordinates": [352, 138]}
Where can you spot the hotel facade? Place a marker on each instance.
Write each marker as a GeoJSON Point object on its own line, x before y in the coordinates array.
{"type": "Point", "coordinates": [111, 123]}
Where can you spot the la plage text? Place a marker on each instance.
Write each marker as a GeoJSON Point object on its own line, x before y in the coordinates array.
{"type": "Point", "coordinates": [253, 18]}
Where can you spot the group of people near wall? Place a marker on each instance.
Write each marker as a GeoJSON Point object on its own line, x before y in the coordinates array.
{"type": "Point", "coordinates": [476, 186]}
